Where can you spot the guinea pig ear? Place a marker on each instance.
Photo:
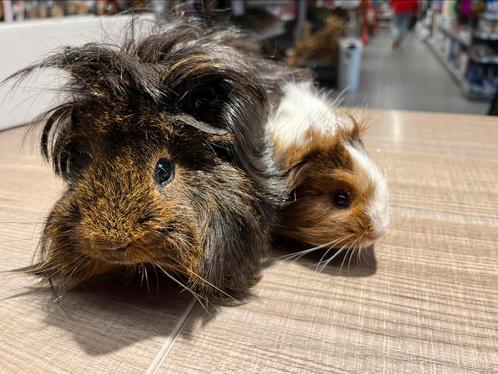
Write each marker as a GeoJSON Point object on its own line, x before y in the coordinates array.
{"type": "Point", "coordinates": [297, 175]}
{"type": "Point", "coordinates": [355, 132]}
{"type": "Point", "coordinates": [297, 156]}
{"type": "Point", "coordinates": [216, 100]}
{"type": "Point", "coordinates": [205, 102]}
{"type": "Point", "coordinates": [219, 141]}
{"type": "Point", "coordinates": [199, 125]}
{"type": "Point", "coordinates": [215, 91]}
{"type": "Point", "coordinates": [57, 143]}
{"type": "Point", "coordinates": [54, 137]}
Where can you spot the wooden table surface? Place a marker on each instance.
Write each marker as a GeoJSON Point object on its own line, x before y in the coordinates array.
{"type": "Point", "coordinates": [424, 301]}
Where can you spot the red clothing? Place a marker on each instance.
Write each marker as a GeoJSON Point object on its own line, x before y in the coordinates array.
{"type": "Point", "coordinates": [404, 6]}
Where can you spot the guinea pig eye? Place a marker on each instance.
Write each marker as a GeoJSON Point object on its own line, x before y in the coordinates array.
{"type": "Point", "coordinates": [341, 199]}
{"type": "Point", "coordinates": [165, 171]}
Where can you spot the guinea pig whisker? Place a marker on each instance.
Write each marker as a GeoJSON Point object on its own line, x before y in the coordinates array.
{"type": "Point", "coordinates": [326, 262]}
{"type": "Point", "coordinates": [302, 253]}
{"type": "Point", "coordinates": [299, 254]}
{"type": "Point", "coordinates": [327, 252]}
{"type": "Point", "coordinates": [43, 265]}
{"type": "Point", "coordinates": [56, 281]}
{"type": "Point", "coordinates": [52, 265]}
{"type": "Point", "coordinates": [359, 255]}
{"type": "Point", "coordinates": [358, 250]}
{"type": "Point", "coordinates": [157, 279]}
{"type": "Point", "coordinates": [351, 253]}
{"type": "Point", "coordinates": [195, 294]}
{"type": "Point", "coordinates": [130, 272]}
{"type": "Point", "coordinates": [336, 242]}
{"type": "Point", "coordinates": [321, 258]}
{"type": "Point", "coordinates": [341, 250]}
{"type": "Point", "coordinates": [60, 234]}
{"type": "Point", "coordinates": [68, 278]}
{"type": "Point", "coordinates": [344, 259]}
{"type": "Point", "coordinates": [211, 285]}
{"type": "Point", "coordinates": [322, 264]}
{"type": "Point", "coordinates": [80, 264]}
{"type": "Point", "coordinates": [146, 277]}
{"type": "Point", "coordinates": [141, 271]}
{"type": "Point", "coordinates": [204, 280]}
{"type": "Point", "coordinates": [350, 257]}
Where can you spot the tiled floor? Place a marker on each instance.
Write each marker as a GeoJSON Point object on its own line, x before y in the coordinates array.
{"type": "Point", "coordinates": [410, 78]}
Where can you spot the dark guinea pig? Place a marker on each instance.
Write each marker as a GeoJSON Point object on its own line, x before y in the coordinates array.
{"type": "Point", "coordinates": [161, 146]}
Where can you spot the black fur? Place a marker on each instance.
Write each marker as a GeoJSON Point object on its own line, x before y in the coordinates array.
{"type": "Point", "coordinates": [214, 99]}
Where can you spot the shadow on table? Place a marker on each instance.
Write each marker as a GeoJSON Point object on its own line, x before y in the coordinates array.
{"type": "Point", "coordinates": [347, 263]}
{"type": "Point", "coordinates": [107, 315]}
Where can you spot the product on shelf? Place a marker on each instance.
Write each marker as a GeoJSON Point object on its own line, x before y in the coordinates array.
{"type": "Point", "coordinates": [486, 26]}
{"type": "Point", "coordinates": [467, 45]}
{"type": "Point", "coordinates": [319, 47]}
{"type": "Point", "coordinates": [22, 10]}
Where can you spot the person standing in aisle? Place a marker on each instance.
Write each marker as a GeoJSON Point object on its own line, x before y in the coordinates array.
{"type": "Point", "coordinates": [403, 11]}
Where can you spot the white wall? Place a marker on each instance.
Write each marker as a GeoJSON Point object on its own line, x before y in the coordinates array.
{"type": "Point", "coordinates": [23, 43]}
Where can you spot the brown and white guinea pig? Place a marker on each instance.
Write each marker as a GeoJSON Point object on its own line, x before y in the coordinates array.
{"type": "Point", "coordinates": [161, 146]}
{"type": "Point", "coordinates": [338, 197]}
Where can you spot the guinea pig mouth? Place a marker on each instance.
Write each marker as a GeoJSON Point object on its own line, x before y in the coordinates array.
{"type": "Point", "coordinates": [365, 243]}
{"type": "Point", "coordinates": [370, 239]}
{"type": "Point", "coordinates": [117, 254]}
{"type": "Point", "coordinates": [125, 255]}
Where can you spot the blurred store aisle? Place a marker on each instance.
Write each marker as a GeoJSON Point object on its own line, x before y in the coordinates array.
{"type": "Point", "coordinates": [410, 78]}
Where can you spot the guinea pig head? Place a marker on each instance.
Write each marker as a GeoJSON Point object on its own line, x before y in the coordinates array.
{"type": "Point", "coordinates": [150, 189]}
{"type": "Point", "coordinates": [339, 195]}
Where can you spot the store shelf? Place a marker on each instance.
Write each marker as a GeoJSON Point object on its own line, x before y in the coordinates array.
{"type": "Point", "coordinates": [464, 40]}
{"type": "Point", "coordinates": [486, 35]}
{"type": "Point", "coordinates": [468, 91]}
{"type": "Point", "coordinates": [489, 16]}
{"type": "Point", "coordinates": [478, 94]}
{"type": "Point", "coordinates": [263, 3]}
{"type": "Point", "coordinates": [458, 77]}
{"type": "Point", "coordinates": [273, 31]}
{"type": "Point", "coordinates": [27, 41]}
{"type": "Point", "coordinates": [484, 59]}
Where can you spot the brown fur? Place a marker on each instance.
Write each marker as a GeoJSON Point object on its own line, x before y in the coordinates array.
{"type": "Point", "coordinates": [183, 94]}
{"type": "Point", "coordinates": [322, 44]}
{"type": "Point", "coordinates": [291, 157]}
{"type": "Point", "coordinates": [315, 171]}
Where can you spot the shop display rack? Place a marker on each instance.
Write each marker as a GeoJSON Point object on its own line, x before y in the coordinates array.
{"type": "Point", "coordinates": [469, 56]}
{"type": "Point", "coordinates": [462, 37]}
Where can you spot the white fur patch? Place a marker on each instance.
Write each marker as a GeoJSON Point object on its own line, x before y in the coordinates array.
{"type": "Point", "coordinates": [378, 207]}
{"type": "Point", "coordinates": [303, 108]}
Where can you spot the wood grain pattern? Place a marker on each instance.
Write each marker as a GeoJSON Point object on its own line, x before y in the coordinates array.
{"type": "Point", "coordinates": [102, 328]}
{"type": "Point", "coordinates": [426, 300]}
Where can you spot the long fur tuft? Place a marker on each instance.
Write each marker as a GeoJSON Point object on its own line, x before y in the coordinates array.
{"type": "Point", "coordinates": [183, 89]}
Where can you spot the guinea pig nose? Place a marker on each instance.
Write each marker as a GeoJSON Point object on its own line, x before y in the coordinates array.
{"type": "Point", "coordinates": [111, 245]}
{"type": "Point", "coordinates": [118, 247]}
{"type": "Point", "coordinates": [377, 233]}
